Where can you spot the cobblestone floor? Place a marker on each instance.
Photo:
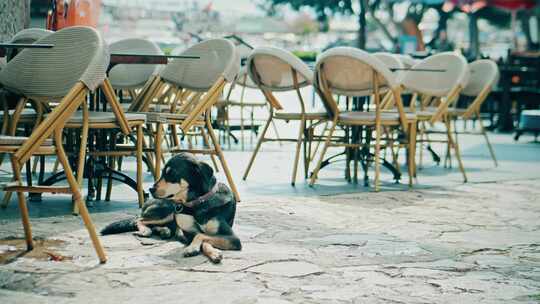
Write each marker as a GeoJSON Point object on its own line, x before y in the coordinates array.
{"type": "Point", "coordinates": [442, 242]}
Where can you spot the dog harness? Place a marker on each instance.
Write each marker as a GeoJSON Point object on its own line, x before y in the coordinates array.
{"type": "Point", "coordinates": [180, 208]}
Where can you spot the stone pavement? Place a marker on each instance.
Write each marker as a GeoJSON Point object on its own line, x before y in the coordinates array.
{"type": "Point", "coordinates": [442, 242]}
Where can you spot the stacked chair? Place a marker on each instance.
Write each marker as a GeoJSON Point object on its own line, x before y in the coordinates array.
{"type": "Point", "coordinates": [196, 86]}
{"type": "Point", "coordinates": [355, 73]}
{"type": "Point", "coordinates": [438, 91]}
{"type": "Point", "coordinates": [66, 74]}
{"type": "Point", "coordinates": [277, 70]}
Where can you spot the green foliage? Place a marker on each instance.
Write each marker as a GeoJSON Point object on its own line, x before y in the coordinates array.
{"type": "Point", "coordinates": [306, 55]}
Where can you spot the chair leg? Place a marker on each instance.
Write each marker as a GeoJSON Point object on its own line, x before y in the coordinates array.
{"type": "Point", "coordinates": [377, 154]}
{"type": "Point", "coordinates": [82, 153]}
{"type": "Point", "coordinates": [323, 152]}
{"type": "Point", "coordinates": [455, 145]}
{"type": "Point", "coordinates": [257, 147]}
{"type": "Point", "coordinates": [157, 151]}
{"type": "Point", "coordinates": [483, 130]}
{"type": "Point", "coordinates": [411, 153]}
{"type": "Point", "coordinates": [22, 206]}
{"type": "Point", "coordinates": [298, 148]}
{"type": "Point", "coordinates": [219, 153]}
{"type": "Point", "coordinates": [140, 189]}
{"type": "Point", "coordinates": [83, 211]}
{"type": "Point", "coordinates": [207, 143]}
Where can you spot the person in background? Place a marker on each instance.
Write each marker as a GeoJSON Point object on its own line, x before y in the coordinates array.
{"type": "Point", "coordinates": [410, 28]}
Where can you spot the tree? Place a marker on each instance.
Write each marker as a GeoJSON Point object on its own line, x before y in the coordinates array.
{"type": "Point", "coordinates": [14, 16]}
{"type": "Point", "coordinates": [325, 8]}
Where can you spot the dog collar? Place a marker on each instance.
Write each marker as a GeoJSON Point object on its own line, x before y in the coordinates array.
{"type": "Point", "coordinates": [203, 198]}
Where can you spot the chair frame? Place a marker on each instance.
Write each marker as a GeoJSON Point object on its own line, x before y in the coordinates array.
{"type": "Point", "coordinates": [409, 127]}
{"type": "Point", "coordinates": [53, 124]}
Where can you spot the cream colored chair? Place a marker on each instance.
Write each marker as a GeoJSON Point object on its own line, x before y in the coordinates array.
{"type": "Point", "coordinates": [484, 75]}
{"type": "Point", "coordinates": [439, 89]}
{"type": "Point", "coordinates": [66, 73]}
{"type": "Point", "coordinates": [131, 77]}
{"type": "Point", "coordinates": [352, 72]}
{"type": "Point", "coordinates": [277, 70]}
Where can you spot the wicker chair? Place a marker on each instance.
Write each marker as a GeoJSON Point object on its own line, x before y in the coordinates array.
{"type": "Point", "coordinates": [439, 89]}
{"type": "Point", "coordinates": [353, 72]}
{"type": "Point", "coordinates": [484, 75]}
{"type": "Point", "coordinates": [277, 70]}
{"type": "Point", "coordinates": [196, 86]}
{"type": "Point", "coordinates": [67, 72]}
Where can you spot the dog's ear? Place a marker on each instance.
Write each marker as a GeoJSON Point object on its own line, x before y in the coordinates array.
{"type": "Point", "coordinates": [207, 175]}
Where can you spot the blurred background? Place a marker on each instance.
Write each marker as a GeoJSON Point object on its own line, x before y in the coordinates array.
{"type": "Point", "coordinates": [484, 28]}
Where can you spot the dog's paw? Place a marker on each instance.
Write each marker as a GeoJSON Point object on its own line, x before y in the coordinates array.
{"type": "Point", "coordinates": [164, 232]}
{"type": "Point", "coordinates": [190, 251]}
{"type": "Point", "coordinates": [146, 232]}
{"type": "Point", "coordinates": [215, 256]}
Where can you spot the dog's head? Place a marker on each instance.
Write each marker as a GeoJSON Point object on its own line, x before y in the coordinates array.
{"type": "Point", "coordinates": [183, 179]}
{"type": "Point", "coordinates": [157, 211]}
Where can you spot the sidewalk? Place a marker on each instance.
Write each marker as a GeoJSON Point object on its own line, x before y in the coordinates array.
{"type": "Point", "coordinates": [442, 242]}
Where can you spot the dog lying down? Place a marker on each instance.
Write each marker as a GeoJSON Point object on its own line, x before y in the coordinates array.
{"type": "Point", "coordinates": [190, 206]}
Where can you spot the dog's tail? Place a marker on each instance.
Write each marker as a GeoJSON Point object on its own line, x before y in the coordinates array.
{"type": "Point", "coordinates": [120, 226]}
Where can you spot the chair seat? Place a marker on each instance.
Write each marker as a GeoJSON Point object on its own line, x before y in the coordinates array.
{"type": "Point", "coordinates": [104, 117]}
{"type": "Point", "coordinates": [153, 107]}
{"type": "Point", "coordinates": [6, 140]}
{"type": "Point", "coordinates": [27, 115]}
{"type": "Point", "coordinates": [360, 118]}
{"type": "Point", "coordinates": [298, 116]}
{"type": "Point", "coordinates": [157, 117]}
{"type": "Point", "coordinates": [457, 111]}
{"type": "Point", "coordinates": [223, 103]}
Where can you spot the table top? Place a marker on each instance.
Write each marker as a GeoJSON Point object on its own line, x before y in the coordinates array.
{"type": "Point", "coordinates": [5, 46]}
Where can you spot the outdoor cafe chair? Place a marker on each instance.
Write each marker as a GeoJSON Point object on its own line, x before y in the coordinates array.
{"type": "Point", "coordinates": [65, 73]}
{"type": "Point", "coordinates": [438, 79]}
{"type": "Point", "coordinates": [28, 116]}
{"type": "Point", "coordinates": [484, 75]}
{"type": "Point", "coordinates": [353, 72]}
{"type": "Point", "coordinates": [245, 83]}
{"type": "Point", "coordinates": [196, 87]}
{"type": "Point", "coordinates": [132, 77]}
{"type": "Point", "coordinates": [277, 70]}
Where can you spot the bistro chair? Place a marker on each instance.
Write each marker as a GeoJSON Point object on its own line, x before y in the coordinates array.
{"type": "Point", "coordinates": [353, 72]}
{"type": "Point", "coordinates": [132, 77]}
{"type": "Point", "coordinates": [484, 75]}
{"type": "Point", "coordinates": [196, 85]}
{"type": "Point", "coordinates": [227, 104]}
{"type": "Point", "coordinates": [438, 79]}
{"type": "Point", "coordinates": [66, 73]}
{"type": "Point", "coordinates": [277, 70]}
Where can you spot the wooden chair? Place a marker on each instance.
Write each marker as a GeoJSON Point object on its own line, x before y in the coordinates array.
{"type": "Point", "coordinates": [277, 70]}
{"type": "Point", "coordinates": [352, 72]}
{"type": "Point", "coordinates": [439, 90]}
{"type": "Point", "coordinates": [484, 75]}
{"type": "Point", "coordinates": [196, 86]}
{"type": "Point", "coordinates": [67, 72]}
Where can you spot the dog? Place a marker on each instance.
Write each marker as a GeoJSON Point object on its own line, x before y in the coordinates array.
{"type": "Point", "coordinates": [188, 200]}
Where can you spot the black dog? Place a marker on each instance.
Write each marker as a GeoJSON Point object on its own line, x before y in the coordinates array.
{"type": "Point", "coordinates": [189, 200]}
